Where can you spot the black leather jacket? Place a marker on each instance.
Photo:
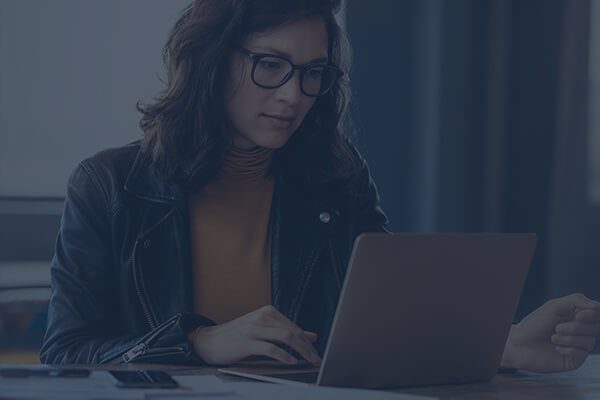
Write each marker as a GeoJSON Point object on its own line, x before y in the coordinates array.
{"type": "Point", "coordinates": [121, 274]}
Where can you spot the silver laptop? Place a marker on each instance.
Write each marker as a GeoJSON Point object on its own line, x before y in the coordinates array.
{"type": "Point", "coordinates": [419, 310]}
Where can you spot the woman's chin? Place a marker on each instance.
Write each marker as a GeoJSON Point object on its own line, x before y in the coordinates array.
{"type": "Point", "coordinates": [271, 139]}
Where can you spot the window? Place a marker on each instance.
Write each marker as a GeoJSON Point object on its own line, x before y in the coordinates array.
{"type": "Point", "coordinates": [594, 111]}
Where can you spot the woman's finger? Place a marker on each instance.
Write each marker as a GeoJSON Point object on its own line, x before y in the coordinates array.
{"type": "Point", "coordinates": [589, 316]}
{"type": "Point", "coordinates": [577, 300]}
{"type": "Point", "coordinates": [261, 348]}
{"type": "Point", "coordinates": [572, 352]}
{"type": "Point", "coordinates": [578, 328]}
{"type": "Point", "coordinates": [586, 343]}
{"type": "Point", "coordinates": [283, 336]}
{"type": "Point", "coordinates": [278, 316]}
{"type": "Point", "coordinates": [277, 320]}
{"type": "Point", "coordinates": [270, 317]}
{"type": "Point", "coordinates": [311, 336]}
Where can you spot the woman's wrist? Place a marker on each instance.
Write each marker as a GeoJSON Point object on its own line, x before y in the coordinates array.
{"type": "Point", "coordinates": [193, 334]}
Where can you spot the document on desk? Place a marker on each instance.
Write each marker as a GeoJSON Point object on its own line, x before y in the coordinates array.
{"type": "Point", "coordinates": [272, 391]}
{"type": "Point", "coordinates": [99, 386]}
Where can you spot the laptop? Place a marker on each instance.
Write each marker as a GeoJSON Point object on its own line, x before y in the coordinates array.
{"type": "Point", "coordinates": [416, 310]}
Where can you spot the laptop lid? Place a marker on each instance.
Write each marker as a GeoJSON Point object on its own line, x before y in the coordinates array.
{"type": "Point", "coordinates": [425, 309]}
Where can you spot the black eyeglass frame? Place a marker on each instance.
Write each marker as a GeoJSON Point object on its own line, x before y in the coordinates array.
{"type": "Point", "coordinates": [256, 57]}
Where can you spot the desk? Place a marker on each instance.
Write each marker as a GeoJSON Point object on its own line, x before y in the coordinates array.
{"type": "Point", "coordinates": [583, 383]}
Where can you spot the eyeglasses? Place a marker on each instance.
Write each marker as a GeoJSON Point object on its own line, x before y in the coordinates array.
{"type": "Point", "coordinates": [270, 72]}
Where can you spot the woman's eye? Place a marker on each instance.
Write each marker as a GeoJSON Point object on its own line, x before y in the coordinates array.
{"type": "Point", "coordinates": [315, 73]}
{"type": "Point", "coordinates": [270, 65]}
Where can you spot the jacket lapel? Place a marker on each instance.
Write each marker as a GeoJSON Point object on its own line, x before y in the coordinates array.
{"type": "Point", "coordinates": [163, 248]}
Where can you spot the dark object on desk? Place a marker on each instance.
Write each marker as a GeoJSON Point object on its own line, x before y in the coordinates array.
{"type": "Point", "coordinates": [144, 379]}
{"type": "Point", "coordinates": [43, 372]}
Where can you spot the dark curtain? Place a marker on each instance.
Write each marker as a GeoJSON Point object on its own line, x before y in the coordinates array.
{"type": "Point", "coordinates": [472, 115]}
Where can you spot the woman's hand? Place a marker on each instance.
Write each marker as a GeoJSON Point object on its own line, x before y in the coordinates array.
{"type": "Point", "coordinates": [254, 334]}
{"type": "Point", "coordinates": [558, 336]}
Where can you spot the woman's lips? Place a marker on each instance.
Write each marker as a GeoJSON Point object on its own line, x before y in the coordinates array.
{"type": "Point", "coordinates": [280, 122]}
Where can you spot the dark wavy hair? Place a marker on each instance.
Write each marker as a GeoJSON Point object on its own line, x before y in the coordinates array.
{"type": "Point", "coordinates": [186, 129]}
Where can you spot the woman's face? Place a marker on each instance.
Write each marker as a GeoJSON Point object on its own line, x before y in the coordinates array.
{"type": "Point", "coordinates": [268, 117]}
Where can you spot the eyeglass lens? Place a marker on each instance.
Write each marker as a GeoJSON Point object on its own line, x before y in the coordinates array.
{"type": "Point", "coordinates": [272, 72]}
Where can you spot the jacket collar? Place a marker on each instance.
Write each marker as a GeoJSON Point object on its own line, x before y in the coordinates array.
{"type": "Point", "coordinates": [143, 182]}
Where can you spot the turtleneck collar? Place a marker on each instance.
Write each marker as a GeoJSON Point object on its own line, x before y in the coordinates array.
{"type": "Point", "coordinates": [245, 167]}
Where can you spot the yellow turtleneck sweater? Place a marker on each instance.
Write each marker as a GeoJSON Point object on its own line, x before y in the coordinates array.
{"type": "Point", "coordinates": [230, 237]}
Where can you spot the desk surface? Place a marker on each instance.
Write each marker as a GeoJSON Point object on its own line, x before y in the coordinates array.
{"type": "Point", "coordinates": [583, 383]}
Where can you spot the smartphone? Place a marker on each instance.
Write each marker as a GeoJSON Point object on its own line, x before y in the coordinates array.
{"type": "Point", "coordinates": [143, 379]}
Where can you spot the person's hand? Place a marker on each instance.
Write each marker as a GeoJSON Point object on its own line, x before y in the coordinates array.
{"type": "Point", "coordinates": [254, 334]}
{"type": "Point", "coordinates": [558, 336]}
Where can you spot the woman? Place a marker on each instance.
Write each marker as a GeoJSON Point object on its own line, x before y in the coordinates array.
{"type": "Point", "coordinates": [225, 232]}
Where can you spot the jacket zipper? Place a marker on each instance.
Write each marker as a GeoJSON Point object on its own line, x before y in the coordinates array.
{"type": "Point", "coordinates": [162, 352]}
{"type": "Point", "coordinates": [137, 275]}
{"type": "Point", "coordinates": [142, 348]}
{"type": "Point", "coordinates": [139, 289]}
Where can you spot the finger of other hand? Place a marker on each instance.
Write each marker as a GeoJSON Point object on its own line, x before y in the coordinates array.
{"type": "Point", "coordinates": [579, 301]}
{"type": "Point", "coordinates": [586, 343]}
{"type": "Point", "coordinates": [576, 328]}
{"type": "Point", "coordinates": [572, 352]}
{"type": "Point", "coordinates": [589, 315]}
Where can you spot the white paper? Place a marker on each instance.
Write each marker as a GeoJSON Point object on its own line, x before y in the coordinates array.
{"type": "Point", "coordinates": [272, 391]}
{"type": "Point", "coordinates": [203, 385]}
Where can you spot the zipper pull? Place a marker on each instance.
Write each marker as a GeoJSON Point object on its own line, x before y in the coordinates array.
{"type": "Point", "coordinates": [135, 352]}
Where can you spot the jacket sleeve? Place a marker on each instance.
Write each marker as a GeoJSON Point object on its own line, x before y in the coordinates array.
{"type": "Point", "coordinates": [82, 327]}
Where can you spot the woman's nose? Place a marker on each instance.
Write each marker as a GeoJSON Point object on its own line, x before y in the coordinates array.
{"type": "Point", "coordinates": [291, 91]}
